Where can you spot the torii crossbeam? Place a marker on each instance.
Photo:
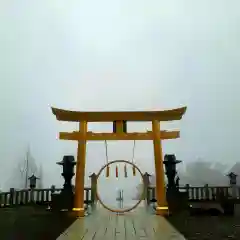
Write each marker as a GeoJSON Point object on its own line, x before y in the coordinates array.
{"type": "Point", "coordinates": [120, 133]}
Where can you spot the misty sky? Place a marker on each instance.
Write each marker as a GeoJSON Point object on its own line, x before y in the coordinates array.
{"type": "Point", "coordinates": [118, 55]}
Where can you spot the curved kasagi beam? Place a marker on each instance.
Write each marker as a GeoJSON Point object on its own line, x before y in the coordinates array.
{"type": "Point", "coordinates": [75, 116]}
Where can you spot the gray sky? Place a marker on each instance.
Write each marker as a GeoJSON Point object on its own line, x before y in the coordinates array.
{"type": "Point", "coordinates": [115, 55]}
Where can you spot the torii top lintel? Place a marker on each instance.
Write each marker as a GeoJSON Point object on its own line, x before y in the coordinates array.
{"type": "Point", "coordinates": [75, 116]}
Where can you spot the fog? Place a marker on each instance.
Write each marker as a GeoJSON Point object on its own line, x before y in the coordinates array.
{"type": "Point", "coordinates": [118, 55]}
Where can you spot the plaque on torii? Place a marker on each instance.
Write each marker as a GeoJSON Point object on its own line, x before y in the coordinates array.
{"type": "Point", "coordinates": [119, 120]}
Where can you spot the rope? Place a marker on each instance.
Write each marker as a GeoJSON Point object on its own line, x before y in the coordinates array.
{"type": "Point", "coordinates": [133, 168]}
{"type": "Point", "coordinates": [106, 148]}
{"type": "Point", "coordinates": [108, 169]}
{"type": "Point", "coordinates": [133, 153]}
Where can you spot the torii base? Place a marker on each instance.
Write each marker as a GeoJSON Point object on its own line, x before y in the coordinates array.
{"type": "Point", "coordinates": [162, 211]}
{"type": "Point", "coordinates": [78, 213]}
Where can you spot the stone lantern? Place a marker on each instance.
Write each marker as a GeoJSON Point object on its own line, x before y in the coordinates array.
{"type": "Point", "coordinates": [232, 178]}
{"type": "Point", "coordinates": [233, 183]}
{"type": "Point", "coordinates": [68, 164]}
{"type": "Point", "coordinates": [33, 181]}
{"type": "Point", "coordinates": [64, 200]}
{"type": "Point", "coordinates": [170, 163]}
{"type": "Point", "coordinates": [177, 201]}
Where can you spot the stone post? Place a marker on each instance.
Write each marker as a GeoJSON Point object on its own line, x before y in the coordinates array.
{"type": "Point", "coordinates": [93, 189]}
{"type": "Point", "coordinates": [11, 197]}
{"type": "Point", "coordinates": [146, 184]}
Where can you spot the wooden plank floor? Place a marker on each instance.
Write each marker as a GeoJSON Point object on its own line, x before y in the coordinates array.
{"type": "Point", "coordinates": [139, 224]}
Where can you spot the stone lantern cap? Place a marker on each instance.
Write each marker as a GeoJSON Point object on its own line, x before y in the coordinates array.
{"type": "Point", "coordinates": [232, 175]}
{"type": "Point", "coordinates": [171, 159]}
{"type": "Point", "coordinates": [33, 177]}
{"type": "Point", "coordinates": [93, 175]}
{"type": "Point", "coordinates": [68, 158]}
{"type": "Point", "coordinates": [33, 180]}
{"type": "Point", "coordinates": [147, 174]}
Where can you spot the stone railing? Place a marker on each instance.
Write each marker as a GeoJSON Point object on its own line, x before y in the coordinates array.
{"type": "Point", "coordinates": [204, 193]}
{"type": "Point", "coordinates": [34, 196]}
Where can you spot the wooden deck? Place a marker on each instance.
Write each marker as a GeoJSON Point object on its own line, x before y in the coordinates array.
{"type": "Point", "coordinates": [139, 224]}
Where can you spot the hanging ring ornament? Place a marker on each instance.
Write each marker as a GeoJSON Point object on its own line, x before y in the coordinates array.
{"type": "Point", "coordinates": [119, 210]}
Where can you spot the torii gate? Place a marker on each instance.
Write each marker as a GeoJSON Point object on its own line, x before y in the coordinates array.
{"type": "Point", "coordinates": [120, 133]}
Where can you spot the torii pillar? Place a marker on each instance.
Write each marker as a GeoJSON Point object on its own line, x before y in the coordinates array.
{"type": "Point", "coordinates": [80, 172]}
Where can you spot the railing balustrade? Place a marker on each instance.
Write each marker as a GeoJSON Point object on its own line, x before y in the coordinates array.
{"type": "Point", "coordinates": [204, 193]}
{"type": "Point", "coordinates": [34, 196]}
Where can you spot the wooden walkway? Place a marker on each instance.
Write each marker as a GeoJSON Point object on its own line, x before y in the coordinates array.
{"type": "Point", "coordinates": [104, 225]}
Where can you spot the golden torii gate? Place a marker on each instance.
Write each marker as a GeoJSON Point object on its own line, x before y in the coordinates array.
{"type": "Point", "coordinates": [120, 133]}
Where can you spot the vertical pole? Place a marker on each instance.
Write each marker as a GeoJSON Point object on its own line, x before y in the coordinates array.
{"type": "Point", "coordinates": [12, 194]}
{"type": "Point", "coordinates": [80, 173]}
{"type": "Point", "coordinates": [93, 189]}
{"type": "Point", "coordinates": [27, 168]}
{"type": "Point", "coordinates": [119, 126]}
{"type": "Point", "coordinates": [161, 208]}
{"type": "Point", "coordinates": [146, 183]}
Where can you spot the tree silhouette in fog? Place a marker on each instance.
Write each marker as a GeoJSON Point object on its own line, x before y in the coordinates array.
{"type": "Point", "coordinates": [23, 169]}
